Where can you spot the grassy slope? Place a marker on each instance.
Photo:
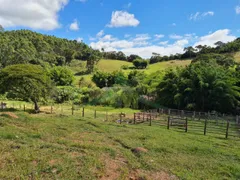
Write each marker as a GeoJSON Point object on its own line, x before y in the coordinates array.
{"type": "Point", "coordinates": [111, 65]}
{"type": "Point", "coordinates": [167, 64]}
{"type": "Point", "coordinates": [237, 56]}
{"type": "Point", "coordinates": [68, 147]}
{"type": "Point", "coordinates": [114, 65]}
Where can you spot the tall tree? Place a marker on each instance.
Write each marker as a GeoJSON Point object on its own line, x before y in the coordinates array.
{"type": "Point", "coordinates": [27, 82]}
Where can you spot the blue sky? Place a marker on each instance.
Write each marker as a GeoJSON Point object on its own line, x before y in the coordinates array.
{"type": "Point", "coordinates": [132, 26]}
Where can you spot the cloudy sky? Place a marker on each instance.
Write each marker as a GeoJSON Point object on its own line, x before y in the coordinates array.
{"type": "Point", "coordinates": [132, 26]}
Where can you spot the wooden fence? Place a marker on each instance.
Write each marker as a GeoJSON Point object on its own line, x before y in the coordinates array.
{"type": "Point", "coordinates": [187, 121]}
{"type": "Point", "coordinates": [172, 119]}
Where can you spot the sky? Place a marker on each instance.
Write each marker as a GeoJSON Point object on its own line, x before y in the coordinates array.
{"type": "Point", "coordinates": [132, 26]}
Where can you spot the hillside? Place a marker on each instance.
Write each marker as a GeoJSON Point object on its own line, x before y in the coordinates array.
{"type": "Point", "coordinates": [70, 147]}
{"type": "Point", "coordinates": [24, 46]}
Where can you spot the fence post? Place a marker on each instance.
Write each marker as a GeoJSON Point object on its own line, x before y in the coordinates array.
{"type": "Point", "coordinates": [194, 114]}
{"type": "Point", "coordinates": [182, 113]}
{"type": "Point", "coordinates": [83, 112]}
{"type": "Point", "coordinates": [237, 119]}
{"type": "Point", "coordinates": [227, 129]}
{"type": "Point", "coordinates": [134, 120]}
{"type": "Point", "coordinates": [150, 120]}
{"type": "Point", "coordinates": [169, 112]}
{"type": "Point", "coordinates": [143, 116]}
{"type": "Point", "coordinates": [121, 118]}
{"type": "Point", "coordinates": [72, 109]}
{"type": "Point", "coordinates": [168, 124]}
{"type": "Point", "coordinates": [95, 114]}
{"type": "Point", "coordinates": [186, 128]}
{"type": "Point", "coordinates": [51, 109]}
{"type": "Point", "coordinates": [205, 127]}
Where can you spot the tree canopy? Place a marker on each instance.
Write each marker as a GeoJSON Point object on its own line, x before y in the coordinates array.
{"type": "Point", "coordinates": [26, 81]}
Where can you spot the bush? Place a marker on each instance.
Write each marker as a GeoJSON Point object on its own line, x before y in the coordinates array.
{"type": "Point", "coordinates": [62, 76]}
{"type": "Point", "coordinates": [140, 64]}
{"type": "Point", "coordinates": [124, 67]}
{"type": "Point", "coordinates": [104, 79]}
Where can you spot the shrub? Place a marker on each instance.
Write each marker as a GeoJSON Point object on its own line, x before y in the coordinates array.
{"type": "Point", "coordinates": [62, 76]}
{"type": "Point", "coordinates": [140, 64]}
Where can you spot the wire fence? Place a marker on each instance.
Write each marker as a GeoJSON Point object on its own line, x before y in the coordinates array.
{"type": "Point", "coordinates": [205, 123]}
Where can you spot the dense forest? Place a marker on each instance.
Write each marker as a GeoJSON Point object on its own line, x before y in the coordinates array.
{"type": "Point", "coordinates": [34, 67]}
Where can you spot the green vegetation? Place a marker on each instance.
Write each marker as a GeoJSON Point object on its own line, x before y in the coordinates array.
{"type": "Point", "coordinates": [68, 147]}
{"type": "Point", "coordinates": [207, 82]}
{"type": "Point", "coordinates": [61, 76]}
{"type": "Point", "coordinates": [202, 86]}
{"type": "Point", "coordinates": [26, 82]}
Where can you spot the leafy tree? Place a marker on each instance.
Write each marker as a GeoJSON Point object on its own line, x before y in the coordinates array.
{"type": "Point", "coordinates": [24, 46]}
{"type": "Point", "coordinates": [26, 82]}
{"type": "Point", "coordinates": [140, 64]}
{"type": "Point", "coordinates": [1, 28]}
{"type": "Point", "coordinates": [104, 79]}
{"type": "Point", "coordinates": [189, 52]}
{"type": "Point", "coordinates": [135, 78]}
{"type": "Point", "coordinates": [132, 57]}
{"type": "Point", "coordinates": [62, 76]}
{"type": "Point", "coordinates": [202, 86]}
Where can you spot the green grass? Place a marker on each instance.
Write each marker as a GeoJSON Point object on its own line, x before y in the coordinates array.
{"type": "Point", "coordinates": [111, 65]}
{"type": "Point", "coordinates": [115, 65]}
{"type": "Point", "coordinates": [237, 57]}
{"type": "Point", "coordinates": [47, 146]}
{"type": "Point", "coordinates": [167, 64]}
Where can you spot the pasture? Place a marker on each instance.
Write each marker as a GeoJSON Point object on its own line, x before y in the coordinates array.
{"type": "Point", "coordinates": [66, 146]}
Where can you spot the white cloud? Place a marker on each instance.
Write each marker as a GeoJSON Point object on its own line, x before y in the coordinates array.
{"type": "Point", "coordinates": [163, 43]}
{"type": "Point", "coordinates": [159, 36]}
{"type": "Point", "coordinates": [209, 13]}
{"type": "Point", "coordinates": [220, 35]}
{"type": "Point", "coordinates": [147, 51]}
{"type": "Point", "coordinates": [123, 19]}
{"type": "Point", "coordinates": [140, 46]}
{"type": "Point", "coordinates": [182, 42]}
{"type": "Point", "coordinates": [140, 43]}
{"type": "Point", "coordinates": [175, 36]}
{"type": "Point", "coordinates": [108, 38]}
{"type": "Point", "coordinates": [127, 35]}
{"type": "Point", "coordinates": [38, 14]}
{"type": "Point", "coordinates": [92, 38]}
{"type": "Point", "coordinates": [198, 15]}
{"type": "Point", "coordinates": [83, 1]}
{"type": "Point", "coordinates": [100, 33]}
{"type": "Point", "coordinates": [237, 9]}
{"type": "Point", "coordinates": [127, 6]}
{"type": "Point", "coordinates": [74, 26]}
{"type": "Point", "coordinates": [79, 39]}
{"type": "Point", "coordinates": [142, 37]}
{"type": "Point", "coordinates": [112, 46]}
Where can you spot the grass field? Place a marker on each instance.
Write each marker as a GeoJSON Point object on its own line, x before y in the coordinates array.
{"type": "Point", "coordinates": [48, 146]}
{"type": "Point", "coordinates": [115, 65]}
{"type": "Point", "coordinates": [237, 57]}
